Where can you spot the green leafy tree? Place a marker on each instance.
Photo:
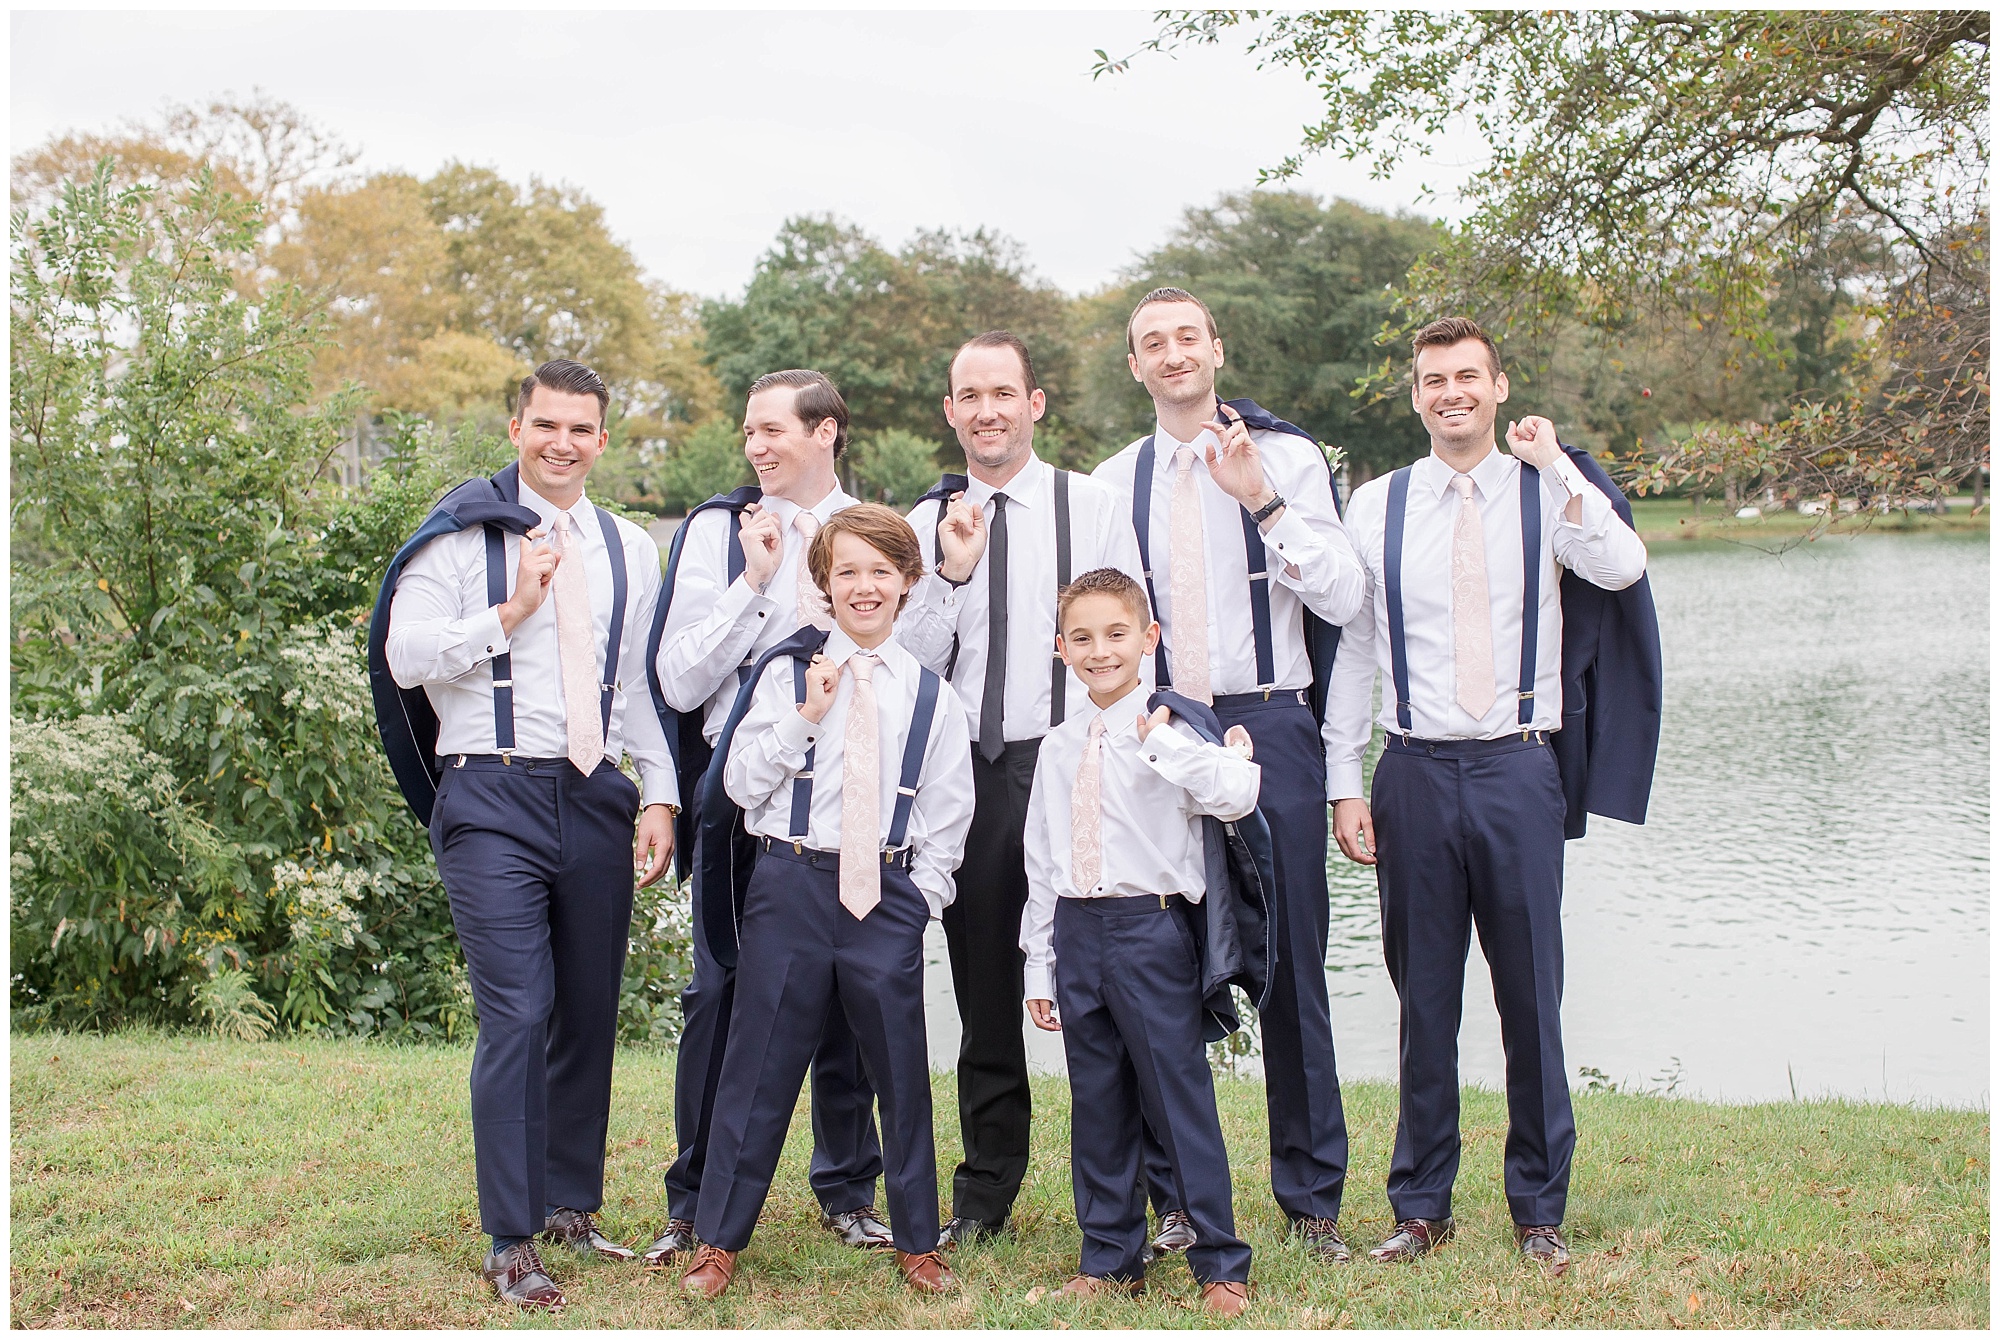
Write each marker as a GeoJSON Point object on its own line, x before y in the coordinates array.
{"type": "Point", "coordinates": [894, 466]}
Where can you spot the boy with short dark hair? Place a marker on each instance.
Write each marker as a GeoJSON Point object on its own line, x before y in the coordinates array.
{"type": "Point", "coordinates": [1115, 856]}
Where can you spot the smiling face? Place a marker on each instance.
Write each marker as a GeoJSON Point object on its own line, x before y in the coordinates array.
{"type": "Point", "coordinates": [1457, 394]}
{"type": "Point", "coordinates": [790, 461]}
{"type": "Point", "coordinates": [993, 411]}
{"type": "Point", "coordinates": [1173, 353]}
{"type": "Point", "coordinates": [559, 436]}
{"type": "Point", "coordinates": [865, 588]}
{"type": "Point", "coordinates": [1102, 638]}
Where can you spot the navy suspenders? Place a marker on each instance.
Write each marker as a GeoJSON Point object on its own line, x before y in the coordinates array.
{"type": "Point", "coordinates": [1058, 668]}
{"type": "Point", "coordinates": [503, 664]}
{"type": "Point", "coordinates": [1256, 560]}
{"type": "Point", "coordinates": [1531, 590]}
{"type": "Point", "coordinates": [913, 761]}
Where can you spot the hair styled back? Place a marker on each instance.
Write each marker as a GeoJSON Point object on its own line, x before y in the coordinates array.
{"type": "Point", "coordinates": [573, 378]}
{"type": "Point", "coordinates": [1449, 331]}
{"type": "Point", "coordinates": [882, 528]}
{"type": "Point", "coordinates": [993, 339]}
{"type": "Point", "coordinates": [1104, 582]}
{"type": "Point", "coordinates": [1167, 295]}
{"type": "Point", "coordinates": [815, 399]}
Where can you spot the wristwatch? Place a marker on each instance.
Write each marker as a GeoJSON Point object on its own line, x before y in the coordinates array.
{"type": "Point", "coordinates": [1263, 513]}
{"type": "Point", "coordinates": [939, 570]}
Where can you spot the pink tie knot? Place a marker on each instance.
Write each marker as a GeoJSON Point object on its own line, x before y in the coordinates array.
{"type": "Point", "coordinates": [862, 663]}
{"type": "Point", "coordinates": [807, 523]}
{"type": "Point", "coordinates": [1461, 484]}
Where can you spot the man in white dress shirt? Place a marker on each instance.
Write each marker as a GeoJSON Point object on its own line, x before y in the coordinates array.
{"type": "Point", "coordinates": [1466, 823]}
{"type": "Point", "coordinates": [1020, 528]}
{"type": "Point", "coordinates": [739, 589]}
{"type": "Point", "coordinates": [1244, 543]}
{"type": "Point", "coordinates": [533, 822]}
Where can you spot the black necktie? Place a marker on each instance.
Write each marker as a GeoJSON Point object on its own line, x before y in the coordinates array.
{"type": "Point", "coordinates": [993, 699]}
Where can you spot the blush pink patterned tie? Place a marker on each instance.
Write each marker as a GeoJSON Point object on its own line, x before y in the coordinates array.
{"type": "Point", "coordinates": [1471, 606]}
{"type": "Point", "coordinates": [813, 607]}
{"type": "Point", "coordinates": [1086, 814]}
{"type": "Point", "coordinates": [1188, 581]}
{"type": "Point", "coordinates": [576, 651]}
{"type": "Point", "coordinates": [861, 795]}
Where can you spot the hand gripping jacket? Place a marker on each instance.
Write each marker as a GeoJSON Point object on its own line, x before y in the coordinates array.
{"type": "Point", "coordinates": [1232, 924]}
{"type": "Point", "coordinates": [683, 730]}
{"type": "Point", "coordinates": [404, 717]}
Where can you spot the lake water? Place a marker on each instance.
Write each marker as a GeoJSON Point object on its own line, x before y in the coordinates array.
{"type": "Point", "coordinates": [1807, 909]}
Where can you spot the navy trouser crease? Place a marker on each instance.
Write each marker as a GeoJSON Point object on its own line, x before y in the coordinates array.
{"type": "Point", "coordinates": [1469, 835]}
{"type": "Point", "coordinates": [537, 865]}
{"type": "Point", "coordinates": [1308, 1125]}
{"type": "Point", "coordinates": [847, 1154]}
{"type": "Point", "coordinates": [982, 931]}
{"type": "Point", "coordinates": [1129, 995]}
{"type": "Point", "coordinates": [805, 958]}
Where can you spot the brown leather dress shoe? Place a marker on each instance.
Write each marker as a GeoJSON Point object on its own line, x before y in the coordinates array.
{"type": "Point", "coordinates": [1226, 1298]}
{"type": "Point", "coordinates": [860, 1229]}
{"type": "Point", "coordinates": [520, 1277]}
{"type": "Point", "coordinates": [1413, 1238]}
{"type": "Point", "coordinates": [926, 1272]}
{"type": "Point", "coordinates": [710, 1274]}
{"type": "Point", "coordinates": [1543, 1244]}
{"type": "Point", "coordinates": [1323, 1236]}
{"type": "Point", "coordinates": [577, 1230]}
{"type": "Point", "coordinates": [1096, 1286]}
{"type": "Point", "coordinates": [676, 1239]}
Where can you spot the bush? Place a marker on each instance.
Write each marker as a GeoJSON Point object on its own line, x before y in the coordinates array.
{"type": "Point", "coordinates": [709, 461]}
{"type": "Point", "coordinates": [895, 466]}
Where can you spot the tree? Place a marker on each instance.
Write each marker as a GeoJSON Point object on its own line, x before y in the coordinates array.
{"type": "Point", "coordinates": [1653, 166]}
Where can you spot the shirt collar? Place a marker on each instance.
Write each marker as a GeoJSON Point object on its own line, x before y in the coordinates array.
{"type": "Point", "coordinates": [1027, 488]}
{"type": "Point", "coordinates": [839, 646]}
{"type": "Point", "coordinates": [786, 509]}
{"type": "Point", "coordinates": [548, 511]}
{"type": "Point", "coordinates": [1488, 477]}
{"type": "Point", "coordinates": [1122, 716]}
{"type": "Point", "coordinates": [1167, 444]}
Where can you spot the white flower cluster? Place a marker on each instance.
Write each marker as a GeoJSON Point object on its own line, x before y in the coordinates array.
{"type": "Point", "coordinates": [320, 902]}
{"type": "Point", "coordinates": [62, 760]}
{"type": "Point", "coordinates": [331, 679]}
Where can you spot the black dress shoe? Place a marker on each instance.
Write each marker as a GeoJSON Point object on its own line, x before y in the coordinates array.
{"type": "Point", "coordinates": [860, 1229]}
{"type": "Point", "coordinates": [520, 1277]}
{"type": "Point", "coordinates": [1543, 1244]}
{"type": "Point", "coordinates": [1176, 1234]}
{"type": "Point", "coordinates": [677, 1239]}
{"type": "Point", "coordinates": [1412, 1238]}
{"type": "Point", "coordinates": [958, 1231]}
{"type": "Point", "coordinates": [577, 1230]}
{"type": "Point", "coordinates": [1323, 1236]}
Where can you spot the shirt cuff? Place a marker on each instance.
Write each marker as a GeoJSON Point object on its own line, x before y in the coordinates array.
{"type": "Point", "coordinates": [740, 597]}
{"type": "Point", "coordinates": [1343, 780]}
{"type": "Point", "coordinates": [932, 898]}
{"type": "Point", "coordinates": [1038, 981]}
{"type": "Point", "coordinates": [797, 734]}
{"type": "Point", "coordinates": [1164, 748]}
{"type": "Point", "coordinates": [485, 637]}
{"type": "Point", "coordinates": [658, 786]}
{"type": "Point", "coordinates": [1290, 538]}
{"type": "Point", "coordinates": [1596, 512]}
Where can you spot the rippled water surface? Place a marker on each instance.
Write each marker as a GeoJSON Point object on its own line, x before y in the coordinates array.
{"type": "Point", "coordinates": [1807, 907]}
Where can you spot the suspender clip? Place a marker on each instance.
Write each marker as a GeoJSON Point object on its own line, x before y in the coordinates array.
{"type": "Point", "coordinates": [506, 757]}
{"type": "Point", "coordinates": [1163, 902]}
{"type": "Point", "coordinates": [909, 791]}
{"type": "Point", "coordinates": [1267, 692]}
{"type": "Point", "coordinates": [503, 683]}
{"type": "Point", "coordinates": [460, 763]}
{"type": "Point", "coordinates": [798, 848]}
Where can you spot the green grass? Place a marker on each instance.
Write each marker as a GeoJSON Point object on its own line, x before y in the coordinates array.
{"type": "Point", "coordinates": [1658, 519]}
{"type": "Point", "coordinates": [171, 1181]}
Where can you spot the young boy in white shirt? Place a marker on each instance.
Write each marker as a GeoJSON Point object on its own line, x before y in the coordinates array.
{"type": "Point", "coordinates": [1115, 856]}
{"type": "Point", "coordinates": [854, 772]}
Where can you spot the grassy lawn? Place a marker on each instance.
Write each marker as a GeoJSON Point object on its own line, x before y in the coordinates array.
{"type": "Point", "coordinates": [1659, 519]}
{"type": "Point", "coordinates": [170, 1181]}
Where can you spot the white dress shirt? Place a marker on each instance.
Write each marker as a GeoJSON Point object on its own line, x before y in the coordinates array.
{"type": "Point", "coordinates": [1100, 537]}
{"type": "Point", "coordinates": [1151, 797]}
{"type": "Point", "coordinates": [1600, 548]}
{"type": "Point", "coordinates": [444, 634]}
{"type": "Point", "coordinates": [1312, 565]}
{"type": "Point", "coordinates": [770, 744]}
{"type": "Point", "coordinates": [716, 625]}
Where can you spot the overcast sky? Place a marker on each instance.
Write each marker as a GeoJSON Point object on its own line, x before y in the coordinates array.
{"type": "Point", "coordinates": [701, 132]}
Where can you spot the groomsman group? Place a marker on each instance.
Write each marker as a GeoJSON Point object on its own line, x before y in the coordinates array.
{"type": "Point", "coordinates": [1034, 711]}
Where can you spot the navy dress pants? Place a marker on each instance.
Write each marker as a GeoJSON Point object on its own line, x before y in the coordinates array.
{"type": "Point", "coordinates": [1301, 1084]}
{"type": "Point", "coordinates": [1470, 833]}
{"type": "Point", "coordinates": [537, 863]}
{"type": "Point", "coordinates": [982, 931]}
{"type": "Point", "coordinates": [1128, 989]}
{"type": "Point", "coordinates": [846, 1157]}
{"type": "Point", "coordinates": [805, 959]}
